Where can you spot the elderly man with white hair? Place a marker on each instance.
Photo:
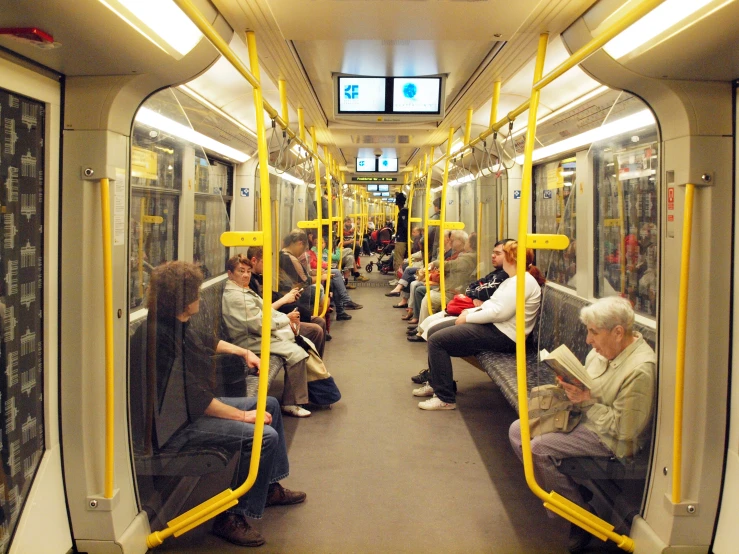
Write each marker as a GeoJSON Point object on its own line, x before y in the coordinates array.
{"type": "Point", "coordinates": [616, 412]}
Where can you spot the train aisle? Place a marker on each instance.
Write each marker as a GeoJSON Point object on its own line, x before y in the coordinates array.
{"type": "Point", "coordinates": [382, 475]}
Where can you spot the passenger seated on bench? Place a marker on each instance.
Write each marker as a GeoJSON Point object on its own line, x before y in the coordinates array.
{"type": "Point", "coordinates": [227, 422]}
{"type": "Point", "coordinates": [478, 291]}
{"type": "Point", "coordinates": [492, 326]}
{"type": "Point", "coordinates": [616, 412]}
{"type": "Point", "coordinates": [420, 282]}
{"type": "Point", "coordinates": [242, 322]}
{"type": "Point", "coordinates": [457, 272]}
{"type": "Point", "coordinates": [311, 327]}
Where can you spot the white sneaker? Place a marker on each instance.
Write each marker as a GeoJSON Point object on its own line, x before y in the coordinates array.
{"type": "Point", "coordinates": [435, 403]}
{"type": "Point", "coordinates": [424, 390]}
{"type": "Point", "coordinates": [295, 411]}
{"type": "Point", "coordinates": [393, 283]}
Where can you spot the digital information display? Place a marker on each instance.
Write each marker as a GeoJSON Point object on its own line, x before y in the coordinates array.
{"type": "Point", "coordinates": [383, 188]}
{"type": "Point", "coordinates": [416, 94]}
{"type": "Point", "coordinates": [361, 94]}
{"type": "Point", "coordinates": [374, 179]}
{"type": "Point", "coordinates": [371, 188]}
{"type": "Point", "coordinates": [389, 165]}
{"type": "Point", "coordinates": [366, 164]}
{"type": "Point", "coordinates": [385, 194]}
{"type": "Point", "coordinates": [377, 194]}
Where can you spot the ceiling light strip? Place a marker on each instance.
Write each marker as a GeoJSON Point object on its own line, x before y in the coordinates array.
{"type": "Point", "coordinates": [158, 121]}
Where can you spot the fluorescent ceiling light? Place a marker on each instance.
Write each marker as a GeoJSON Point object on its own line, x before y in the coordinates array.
{"type": "Point", "coordinates": [158, 121]}
{"type": "Point", "coordinates": [462, 180]}
{"type": "Point", "coordinates": [660, 19]}
{"type": "Point", "coordinates": [208, 104]}
{"type": "Point", "coordinates": [286, 176]}
{"type": "Point", "coordinates": [160, 21]}
{"type": "Point", "coordinates": [624, 125]}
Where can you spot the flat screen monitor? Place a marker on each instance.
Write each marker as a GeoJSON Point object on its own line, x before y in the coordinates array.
{"type": "Point", "coordinates": [388, 165]}
{"type": "Point", "coordinates": [383, 188]}
{"type": "Point", "coordinates": [371, 188]}
{"type": "Point", "coordinates": [361, 94]}
{"type": "Point", "coordinates": [385, 194]}
{"type": "Point", "coordinates": [366, 165]}
{"type": "Point", "coordinates": [377, 194]}
{"type": "Point", "coordinates": [413, 95]}
{"type": "Point", "coordinates": [391, 200]}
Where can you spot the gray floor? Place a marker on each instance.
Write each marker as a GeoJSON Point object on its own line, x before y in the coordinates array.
{"type": "Point", "coordinates": [383, 476]}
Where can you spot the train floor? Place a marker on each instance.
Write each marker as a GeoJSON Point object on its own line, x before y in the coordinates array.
{"type": "Point", "coordinates": [382, 475]}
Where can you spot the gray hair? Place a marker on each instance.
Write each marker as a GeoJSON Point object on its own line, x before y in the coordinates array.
{"type": "Point", "coordinates": [606, 313]}
{"type": "Point", "coordinates": [458, 234]}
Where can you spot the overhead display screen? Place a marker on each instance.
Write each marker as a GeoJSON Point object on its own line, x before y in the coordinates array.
{"type": "Point", "coordinates": [371, 188]}
{"type": "Point", "coordinates": [361, 94]}
{"type": "Point", "coordinates": [383, 188]}
{"type": "Point", "coordinates": [366, 164]}
{"type": "Point", "coordinates": [387, 165]}
{"type": "Point", "coordinates": [416, 94]}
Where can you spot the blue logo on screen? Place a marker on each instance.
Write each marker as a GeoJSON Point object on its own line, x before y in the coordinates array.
{"type": "Point", "coordinates": [384, 163]}
{"type": "Point", "coordinates": [351, 92]}
{"type": "Point", "coordinates": [361, 163]}
{"type": "Point", "coordinates": [410, 90]}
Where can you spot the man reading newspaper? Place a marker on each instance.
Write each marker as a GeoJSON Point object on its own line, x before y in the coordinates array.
{"type": "Point", "coordinates": [616, 406]}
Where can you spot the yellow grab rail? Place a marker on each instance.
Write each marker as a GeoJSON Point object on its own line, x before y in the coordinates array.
{"type": "Point", "coordinates": [444, 188]}
{"type": "Point", "coordinates": [225, 50]}
{"type": "Point", "coordinates": [682, 321]}
{"type": "Point", "coordinates": [228, 498]}
{"type": "Point", "coordinates": [479, 236]}
{"type": "Point", "coordinates": [552, 501]}
{"type": "Point", "coordinates": [109, 359]}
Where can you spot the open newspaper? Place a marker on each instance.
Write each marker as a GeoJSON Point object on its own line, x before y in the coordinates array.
{"type": "Point", "coordinates": [566, 365]}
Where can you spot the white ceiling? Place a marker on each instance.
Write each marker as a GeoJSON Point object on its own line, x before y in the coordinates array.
{"type": "Point", "coordinates": [307, 41]}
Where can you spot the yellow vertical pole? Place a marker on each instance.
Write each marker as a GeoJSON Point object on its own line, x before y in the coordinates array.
{"type": "Point", "coordinates": [479, 236]}
{"type": "Point", "coordinates": [444, 187]}
{"type": "Point", "coordinates": [682, 322]}
{"type": "Point", "coordinates": [429, 173]}
{"type": "Point", "coordinates": [276, 232]}
{"type": "Point", "coordinates": [494, 106]}
{"type": "Point", "coordinates": [251, 42]}
{"type": "Point", "coordinates": [468, 127]}
{"type": "Point", "coordinates": [501, 223]}
{"type": "Point", "coordinates": [622, 237]}
{"type": "Point", "coordinates": [521, 269]}
{"type": "Point", "coordinates": [282, 86]}
{"type": "Point", "coordinates": [330, 245]}
{"type": "Point", "coordinates": [320, 215]}
{"type": "Point", "coordinates": [301, 128]}
{"type": "Point", "coordinates": [109, 359]}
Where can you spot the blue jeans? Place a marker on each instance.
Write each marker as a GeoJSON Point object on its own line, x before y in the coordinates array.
{"type": "Point", "coordinates": [239, 436]}
{"type": "Point", "coordinates": [341, 297]}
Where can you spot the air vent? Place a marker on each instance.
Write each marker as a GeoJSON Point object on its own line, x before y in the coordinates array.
{"type": "Point", "coordinates": [378, 139]}
{"type": "Point", "coordinates": [404, 139]}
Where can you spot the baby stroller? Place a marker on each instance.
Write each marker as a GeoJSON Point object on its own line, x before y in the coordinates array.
{"type": "Point", "coordinates": [385, 247]}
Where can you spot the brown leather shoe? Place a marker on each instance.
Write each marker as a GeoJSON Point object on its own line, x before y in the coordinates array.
{"type": "Point", "coordinates": [280, 496]}
{"type": "Point", "coordinates": [235, 529]}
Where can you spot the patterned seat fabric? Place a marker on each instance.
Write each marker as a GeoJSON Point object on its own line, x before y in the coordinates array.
{"type": "Point", "coordinates": [558, 323]}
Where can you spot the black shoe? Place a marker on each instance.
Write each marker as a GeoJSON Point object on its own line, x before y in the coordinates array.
{"type": "Point", "coordinates": [423, 376]}
{"type": "Point", "coordinates": [392, 294]}
{"type": "Point", "coordinates": [343, 316]}
{"type": "Point", "coordinates": [353, 306]}
{"type": "Point", "coordinates": [415, 338]}
{"type": "Point", "coordinates": [328, 337]}
{"type": "Point", "coordinates": [414, 326]}
{"type": "Point", "coordinates": [412, 331]}
{"type": "Point", "coordinates": [579, 539]}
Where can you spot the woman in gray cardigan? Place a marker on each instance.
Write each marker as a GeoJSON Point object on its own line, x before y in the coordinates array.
{"type": "Point", "coordinates": [242, 320]}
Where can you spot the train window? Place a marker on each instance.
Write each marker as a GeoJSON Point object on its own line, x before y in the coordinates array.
{"type": "Point", "coordinates": [554, 213]}
{"type": "Point", "coordinates": [180, 195]}
{"type": "Point", "coordinates": [214, 186]}
{"type": "Point", "coordinates": [626, 172]}
{"type": "Point", "coordinates": [21, 309]}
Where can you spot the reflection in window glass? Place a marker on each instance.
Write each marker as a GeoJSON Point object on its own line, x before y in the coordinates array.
{"type": "Point", "coordinates": [626, 171]}
{"type": "Point", "coordinates": [21, 307]}
{"type": "Point", "coordinates": [554, 212]}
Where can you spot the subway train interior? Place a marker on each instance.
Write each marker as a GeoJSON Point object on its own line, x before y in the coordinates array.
{"type": "Point", "coordinates": [149, 141]}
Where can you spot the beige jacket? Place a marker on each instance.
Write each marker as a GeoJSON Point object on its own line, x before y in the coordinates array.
{"type": "Point", "coordinates": [620, 411]}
